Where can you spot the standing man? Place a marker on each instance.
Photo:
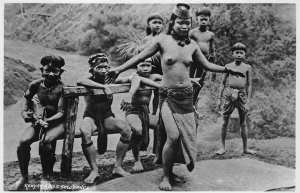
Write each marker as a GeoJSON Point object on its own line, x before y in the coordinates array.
{"type": "Point", "coordinates": [237, 95]}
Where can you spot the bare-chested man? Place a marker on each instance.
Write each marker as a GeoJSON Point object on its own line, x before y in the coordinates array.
{"type": "Point", "coordinates": [206, 42]}
{"type": "Point", "coordinates": [237, 95]}
{"type": "Point", "coordinates": [43, 98]}
{"type": "Point", "coordinates": [98, 116]}
{"type": "Point", "coordinates": [136, 106]}
{"type": "Point", "coordinates": [177, 118]}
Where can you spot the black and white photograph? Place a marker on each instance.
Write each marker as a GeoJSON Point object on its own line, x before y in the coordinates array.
{"type": "Point", "coordinates": [149, 96]}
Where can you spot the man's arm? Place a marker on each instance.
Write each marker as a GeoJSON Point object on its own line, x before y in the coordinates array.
{"type": "Point", "coordinates": [149, 82]}
{"type": "Point", "coordinates": [121, 80]}
{"type": "Point", "coordinates": [27, 104]}
{"type": "Point", "coordinates": [60, 111]}
{"type": "Point", "coordinates": [87, 82]}
{"type": "Point", "coordinates": [213, 48]}
{"type": "Point", "coordinates": [249, 82]}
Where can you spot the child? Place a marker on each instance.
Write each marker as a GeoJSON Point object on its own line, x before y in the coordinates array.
{"type": "Point", "coordinates": [136, 106]}
{"type": "Point", "coordinates": [205, 40]}
{"type": "Point", "coordinates": [43, 95]}
{"type": "Point", "coordinates": [237, 95]}
{"type": "Point", "coordinates": [98, 116]}
{"type": "Point", "coordinates": [155, 25]}
{"type": "Point", "coordinates": [177, 118]}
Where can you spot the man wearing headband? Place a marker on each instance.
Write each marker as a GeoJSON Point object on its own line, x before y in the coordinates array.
{"type": "Point", "coordinates": [136, 107]}
{"type": "Point", "coordinates": [99, 117]}
{"type": "Point", "coordinates": [44, 109]}
{"type": "Point", "coordinates": [177, 124]}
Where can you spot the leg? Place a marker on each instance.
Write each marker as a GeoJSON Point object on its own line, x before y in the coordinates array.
{"type": "Point", "coordinates": [153, 120]}
{"type": "Point", "coordinates": [23, 154]}
{"type": "Point", "coordinates": [228, 109]}
{"type": "Point", "coordinates": [122, 127]}
{"type": "Point", "coordinates": [87, 128]}
{"type": "Point", "coordinates": [223, 135]}
{"type": "Point", "coordinates": [47, 154]}
{"type": "Point", "coordinates": [155, 102]}
{"type": "Point", "coordinates": [170, 147]}
{"type": "Point", "coordinates": [244, 132]}
{"type": "Point", "coordinates": [136, 125]}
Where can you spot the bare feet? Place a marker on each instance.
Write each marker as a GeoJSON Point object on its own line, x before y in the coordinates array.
{"type": "Point", "coordinates": [92, 177]}
{"type": "Point", "coordinates": [19, 184]}
{"type": "Point", "coordinates": [221, 151]}
{"type": "Point", "coordinates": [249, 151]}
{"type": "Point", "coordinates": [165, 184]}
{"type": "Point", "coordinates": [119, 171]}
{"type": "Point", "coordinates": [45, 185]}
{"type": "Point", "coordinates": [176, 178]}
{"type": "Point", "coordinates": [137, 167]}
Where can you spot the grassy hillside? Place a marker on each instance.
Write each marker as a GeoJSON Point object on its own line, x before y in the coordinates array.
{"type": "Point", "coordinates": [17, 76]}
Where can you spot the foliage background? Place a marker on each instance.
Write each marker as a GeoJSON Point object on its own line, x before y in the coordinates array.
{"type": "Point", "coordinates": [268, 30]}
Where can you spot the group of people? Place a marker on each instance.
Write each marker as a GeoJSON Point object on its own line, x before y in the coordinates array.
{"type": "Point", "coordinates": [176, 57]}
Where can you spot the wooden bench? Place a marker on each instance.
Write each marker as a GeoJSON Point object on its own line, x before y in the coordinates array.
{"type": "Point", "coordinates": [71, 94]}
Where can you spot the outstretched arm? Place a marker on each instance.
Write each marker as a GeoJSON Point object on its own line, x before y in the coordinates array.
{"type": "Point", "coordinates": [149, 82]}
{"type": "Point", "coordinates": [200, 59]}
{"type": "Point", "coordinates": [87, 82]}
{"type": "Point", "coordinates": [146, 53]}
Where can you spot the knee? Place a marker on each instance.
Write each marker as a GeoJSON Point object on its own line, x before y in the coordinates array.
{"type": "Point", "coordinates": [125, 130]}
{"type": "Point", "coordinates": [86, 132]}
{"type": "Point", "coordinates": [24, 142]}
{"type": "Point", "coordinates": [173, 138]}
{"type": "Point", "coordinates": [136, 130]}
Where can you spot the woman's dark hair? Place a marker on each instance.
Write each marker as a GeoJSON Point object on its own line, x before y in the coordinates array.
{"type": "Point", "coordinates": [171, 23]}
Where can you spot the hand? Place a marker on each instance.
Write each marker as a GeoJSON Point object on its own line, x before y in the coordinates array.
{"type": "Point", "coordinates": [112, 75]}
{"type": "Point", "coordinates": [126, 102]}
{"type": "Point", "coordinates": [234, 72]}
{"type": "Point", "coordinates": [108, 92]}
{"type": "Point", "coordinates": [219, 103]}
{"type": "Point", "coordinates": [27, 116]}
{"type": "Point", "coordinates": [195, 82]}
{"type": "Point", "coordinates": [247, 106]}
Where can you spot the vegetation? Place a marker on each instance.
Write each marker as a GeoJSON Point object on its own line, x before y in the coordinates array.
{"type": "Point", "coordinates": [270, 37]}
{"type": "Point", "coordinates": [17, 77]}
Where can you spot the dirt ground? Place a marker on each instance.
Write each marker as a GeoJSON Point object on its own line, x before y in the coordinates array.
{"type": "Point", "coordinates": [80, 168]}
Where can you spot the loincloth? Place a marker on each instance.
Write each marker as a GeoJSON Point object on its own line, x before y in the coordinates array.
{"type": "Point", "coordinates": [234, 98]}
{"type": "Point", "coordinates": [143, 112]}
{"type": "Point", "coordinates": [99, 112]}
{"type": "Point", "coordinates": [180, 102]}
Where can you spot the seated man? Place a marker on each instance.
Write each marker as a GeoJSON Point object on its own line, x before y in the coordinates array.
{"type": "Point", "coordinates": [98, 116]}
{"type": "Point", "coordinates": [136, 106]}
{"type": "Point", "coordinates": [44, 109]}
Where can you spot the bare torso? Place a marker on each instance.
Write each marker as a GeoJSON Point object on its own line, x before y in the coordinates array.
{"type": "Point", "coordinates": [238, 82]}
{"type": "Point", "coordinates": [143, 96]}
{"type": "Point", "coordinates": [203, 39]}
{"type": "Point", "coordinates": [175, 62]}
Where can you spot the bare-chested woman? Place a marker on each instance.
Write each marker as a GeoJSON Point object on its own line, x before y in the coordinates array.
{"type": "Point", "coordinates": [177, 118]}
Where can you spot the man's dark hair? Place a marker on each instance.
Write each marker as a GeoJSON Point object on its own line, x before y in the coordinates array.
{"type": "Point", "coordinates": [55, 61]}
{"type": "Point", "coordinates": [239, 46]}
{"type": "Point", "coordinates": [203, 11]}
